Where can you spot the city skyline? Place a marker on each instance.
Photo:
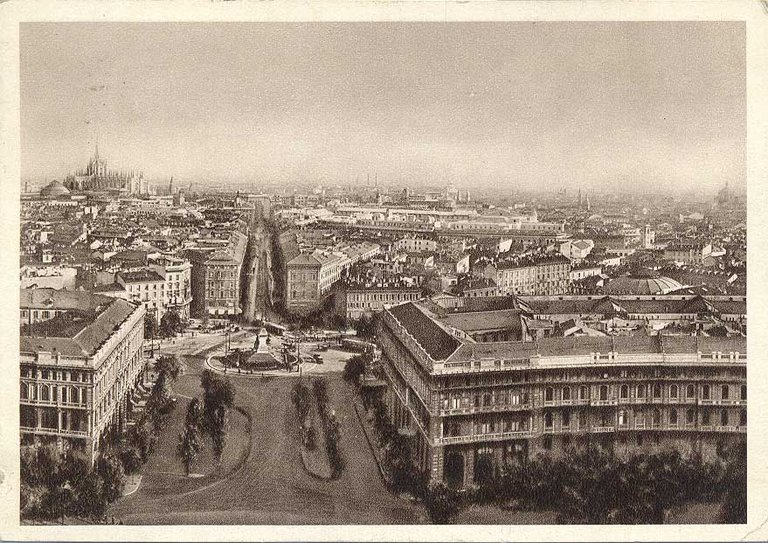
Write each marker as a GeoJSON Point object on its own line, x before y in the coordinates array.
{"type": "Point", "coordinates": [527, 105]}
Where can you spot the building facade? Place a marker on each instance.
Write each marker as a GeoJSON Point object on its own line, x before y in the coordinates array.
{"type": "Point", "coordinates": [309, 278]}
{"type": "Point", "coordinates": [216, 277]}
{"type": "Point", "coordinates": [500, 403]}
{"type": "Point", "coordinates": [354, 302]}
{"type": "Point", "coordinates": [548, 275]}
{"type": "Point", "coordinates": [78, 369]}
{"type": "Point", "coordinates": [146, 287]}
{"type": "Point", "coordinates": [177, 273]}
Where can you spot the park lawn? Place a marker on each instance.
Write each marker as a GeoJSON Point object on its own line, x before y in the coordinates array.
{"type": "Point", "coordinates": [164, 472]}
{"type": "Point", "coordinates": [490, 514]}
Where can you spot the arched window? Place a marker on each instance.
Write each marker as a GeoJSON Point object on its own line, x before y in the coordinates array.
{"type": "Point", "coordinates": [656, 417]}
{"type": "Point", "coordinates": [603, 392]}
{"type": "Point", "coordinates": [743, 392]}
{"type": "Point", "coordinates": [45, 393]}
{"type": "Point", "coordinates": [724, 417]}
{"type": "Point", "coordinates": [23, 391]}
{"type": "Point", "coordinates": [75, 395]}
{"type": "Point", "coordinates": [705, 392]}
{"type": "Point", "coordinates": [622, 418]}
{"type": "Point", "coordinates": [743, 417]}
{"type": "Point", "coordinates": [583, 392]}
{"type": "Point", "coordinates": [487, 399]}
{"type": "Point", "coordinates": [548, 420]}
{"type": "Point", "coordinates": [724, 392]}
{"type": "Point", "coordinates": [673, 416]}
{"type": "Point", "coordinates": [689, 416]}
{"type": "Point", "coordinates": [566, 393]}
{"type": "Point", "coordinates": [549, 394]}
{"type": "Point", "coordinates": [641, 391]}
{"type": "Point", "coordinates": [705, 417]}
{"type": "Point", "coordinates": [673, 391]}
{"type": "Point", "coordinates": [624, 391]}
{"type": "Point", "coordinates": [657, 390]}
{"type": "Point", "coordinates": [566, 418]}
{"type": "Point", "coordinates": [64, 394]}
{"type": "Point", "coordinates": [690, 392]}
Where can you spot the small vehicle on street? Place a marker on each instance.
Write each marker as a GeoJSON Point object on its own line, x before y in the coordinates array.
{"type": "Point", "coordinates": [317, 358]}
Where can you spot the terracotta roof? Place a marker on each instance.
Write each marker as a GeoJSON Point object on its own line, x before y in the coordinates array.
{"type": "Point", "coordinates": [49, 298]}
{"type": "Point", "coordinates": [507, 319]}
{"type": "Point", "coordinates": [77, 332]}
{"type": "Point", "coordinates": [437, 342]}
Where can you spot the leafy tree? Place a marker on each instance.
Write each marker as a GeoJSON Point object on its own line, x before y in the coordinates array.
{"type": "Point", "coordinates": [364, 326]}
{"type": "Point", "coordinates": [354, 368]}
{"type": "Point", "coordinates": [56, 502]}
{"type": "Point", "coordinates": [218, 397]}
{"type": "Point", "coordinates": [169, 366]}
{"type": "Point", "coordinates": [131, 458]}
{"type": "Point", "coordinates": [189, 446]}
{"type": "Point", "coordinates": [91, 499]}
{"type": "Point", "coordinates": [110, 468]}
{"type": "Point", "coordinates": [734, 507]}
{"type": "Point", "coordinates": [171, 323]}
{"type": "Point", "coordinates": [300, 398]}
{"type": "Point", "coordinates": [218, 432]}
{"type": "Point", "coordinates": [143, 438]}
{"type": "Point", "coordinates": [442, 503]}
{"type": "Point", "coordinates": [150, 325]}
{"type": "Point", "coordinates": [194, 413]}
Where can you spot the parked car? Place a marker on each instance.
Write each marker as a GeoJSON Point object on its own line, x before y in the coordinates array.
{"type": "Point", "coordinates": [317, 358]}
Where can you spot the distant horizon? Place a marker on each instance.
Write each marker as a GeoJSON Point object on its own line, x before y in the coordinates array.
{"type": "Point", "coordinates": [532, 107]}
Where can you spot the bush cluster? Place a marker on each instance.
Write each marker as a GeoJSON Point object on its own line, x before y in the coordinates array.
{"type": "Point", "coordinates": [331, 427]}
{"type": "Point", "coordinates": [597, 487]}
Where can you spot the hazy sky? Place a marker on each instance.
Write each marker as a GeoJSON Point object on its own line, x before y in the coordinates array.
{"type": "Point", "coordinates": [513, 104]}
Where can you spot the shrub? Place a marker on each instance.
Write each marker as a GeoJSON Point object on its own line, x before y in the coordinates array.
{"type": "Point", "coordinates": [442, 503]}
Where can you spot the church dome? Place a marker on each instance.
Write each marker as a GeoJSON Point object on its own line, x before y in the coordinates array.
{"type": "Point", "coordinates": [642, 282]}
{"type": "Point", "coordinates": [54, 189]}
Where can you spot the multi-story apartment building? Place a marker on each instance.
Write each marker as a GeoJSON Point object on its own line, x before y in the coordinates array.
{"type": "Point", "coordinates": [146, 287]}
{"type": "Point", "coordinates": [693, 252]}
{"type": "Point", "coordinates": [79, 366]}
{"type": "Point", "coordinates": [465, 402]}
{"type": "Point", "coordinates": [177, 273]}
{"type": "Point", "coordinates": [217, 275]}
{"type": "Point", "coordinates": [309, 278]}
{"type": "Point", "coordinates": [354, 301]}
{"type": "Point", "coordinates": [544, 275]}
{"type": "Point", "coordinates": [415, 245]}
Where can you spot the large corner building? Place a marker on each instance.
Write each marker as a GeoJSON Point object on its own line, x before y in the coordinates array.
{"type": "Point", "coordinates": [479, 386]}
{"type": "Point", "coordinates": [80, 362]}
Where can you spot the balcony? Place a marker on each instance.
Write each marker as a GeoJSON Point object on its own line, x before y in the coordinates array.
{"type": "Point", "coordinates": [53, 432]}
{"type": "Point", "coordinates": [603, 402]}
{"type": "Point", "coordinates": [54, 403]}
{"type": "Point", "coordinates": [473, 438]}
{"type": "Point", "coordinates": [573, 429]}
{"type": "Point", "coordinates": [565, 403]}
{"type": "Point", "coordinates": [603, 429]}
{"type": "Point", "coordinates": [485, 409]}
{"type": "Point", "coordinates": [722, 402]}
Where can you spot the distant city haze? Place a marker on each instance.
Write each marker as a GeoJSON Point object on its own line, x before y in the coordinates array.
{"type": "Point", "coordinates": [639, 106]}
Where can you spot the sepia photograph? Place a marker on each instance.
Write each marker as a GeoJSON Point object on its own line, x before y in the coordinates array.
{"type": "Point", "coordinates": [295, 273]}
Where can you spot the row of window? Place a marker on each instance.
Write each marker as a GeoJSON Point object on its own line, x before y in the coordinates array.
{"type": "Point", "coordinates": [55, 375]}
{"type": "Point", "coordinates": [641, 391]}
{"type": "Point", "coordinates": [622, 418]}
{"type": "Point", "coordinates": [53, 393]}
